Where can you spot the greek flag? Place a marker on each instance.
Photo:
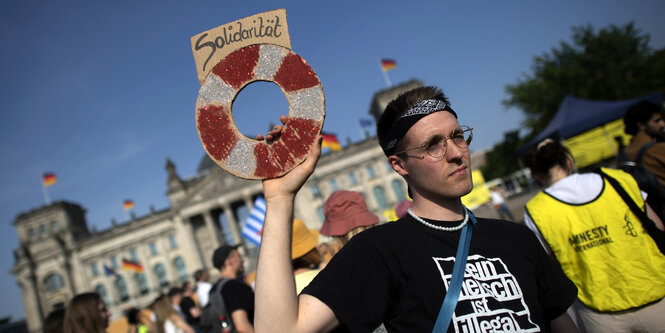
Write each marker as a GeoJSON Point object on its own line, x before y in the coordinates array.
{"type": "Point", "coordinates": [254, 223]}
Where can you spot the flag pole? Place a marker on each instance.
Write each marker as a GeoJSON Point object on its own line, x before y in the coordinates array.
{"type": "Point", "coordinates": [46, 197]}
{"type": "Point", "coordinates": [385, 75]}
{"type": "Point", "coordinates": [363, 133]}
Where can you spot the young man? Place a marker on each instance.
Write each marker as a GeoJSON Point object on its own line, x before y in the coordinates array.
{"type": "Point", "coordinates": [644, 121]}
{"type": "Point", "coordinates": [238, 297]}
{"type": "Point", "coordinates": [398, 273]}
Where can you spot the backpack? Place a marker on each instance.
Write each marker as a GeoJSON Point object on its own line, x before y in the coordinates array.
{"type": "Point", "coordinates": [214, 317]}
{"type": "Point", "coordinates": [646, 180]}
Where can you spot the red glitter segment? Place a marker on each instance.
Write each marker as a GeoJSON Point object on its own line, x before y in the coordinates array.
{"type": "Point", "coordinates": [265, 169]}
{"type": "Point", "coordinates": [281, 156]}
{"type": "Point", "coordinates": [300, 136]}
{"type": "Point", "coordinates": [238, 67]}
{"type": "Point", "coordinates": [216, 131]}
{"type": "Point", "coordinates": [295, 74]}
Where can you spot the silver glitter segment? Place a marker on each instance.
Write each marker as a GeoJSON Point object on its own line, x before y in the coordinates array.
{"type": "Point", "coordinates": [215, 91]}
{"type": "Point", "coordinates": [241, 160]}
{"type": "Point", "coordinates": [270, 59]}
{"type": "Point", "coordinates": [307, 103]}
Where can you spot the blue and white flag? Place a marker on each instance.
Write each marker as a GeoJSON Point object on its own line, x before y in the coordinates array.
{"type": "Point", "coordinates": [254, 223]}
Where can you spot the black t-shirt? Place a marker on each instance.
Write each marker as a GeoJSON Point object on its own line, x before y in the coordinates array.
{"type": "Point", "coordinates": [238, 296]}
{"type": "Point", "coordinates": [394, 273]}
{"type": "Point", "coordinates": [186, 305]}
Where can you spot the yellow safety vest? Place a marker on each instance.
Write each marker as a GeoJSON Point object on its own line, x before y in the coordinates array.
{"type": "Point", "coordinates": [602, 247]}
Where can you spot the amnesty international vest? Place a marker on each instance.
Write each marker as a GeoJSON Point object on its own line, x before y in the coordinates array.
{"type": "Point", "coordinates": [602, 247]}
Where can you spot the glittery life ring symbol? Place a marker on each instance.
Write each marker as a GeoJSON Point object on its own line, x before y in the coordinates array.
{"type": "Point", "coordinates": [220, 137]}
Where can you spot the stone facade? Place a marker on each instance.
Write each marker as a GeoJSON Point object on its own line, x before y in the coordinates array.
{"type": "Point", "coordinates": [60, 257]}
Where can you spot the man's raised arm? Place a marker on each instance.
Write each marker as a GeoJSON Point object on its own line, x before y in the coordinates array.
{"type": "Point", "coordinates": [278, 308]}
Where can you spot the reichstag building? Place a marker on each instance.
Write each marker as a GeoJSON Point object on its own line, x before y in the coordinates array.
{"type": "Point", "coordinates": [59, 256]}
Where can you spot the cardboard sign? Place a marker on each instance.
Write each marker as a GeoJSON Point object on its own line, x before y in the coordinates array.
{"type": "Point", "coordinates": [211, 46]}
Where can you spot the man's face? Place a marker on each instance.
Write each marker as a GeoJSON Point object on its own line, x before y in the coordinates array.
{"type": "Point", "coordinates": [235, 261]}
{"type": "Point", "coordinates": [654, 127]}
{"type": "Point", "coordinates": [447, 177]}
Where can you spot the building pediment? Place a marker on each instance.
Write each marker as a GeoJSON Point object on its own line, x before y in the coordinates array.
{"type": "Point", "coordinates": [215, 184]}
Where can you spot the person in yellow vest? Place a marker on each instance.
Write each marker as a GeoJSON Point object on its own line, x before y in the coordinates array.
{"type": "Point", "coordinates": [599, 242]}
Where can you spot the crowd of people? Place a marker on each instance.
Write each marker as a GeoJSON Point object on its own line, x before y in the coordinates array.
{"type": "Point", "coordinates": [588, 258]}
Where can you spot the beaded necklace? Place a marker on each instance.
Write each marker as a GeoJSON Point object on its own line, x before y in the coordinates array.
{"type": "Point", "coordinates": [437, 227]}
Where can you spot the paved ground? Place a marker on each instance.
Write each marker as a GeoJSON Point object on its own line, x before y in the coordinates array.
{"type": "Point", "coordinates": [515, 203]}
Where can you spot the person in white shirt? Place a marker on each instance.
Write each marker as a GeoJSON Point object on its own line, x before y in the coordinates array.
{"type": "Point", "coordinates": [202, 287]}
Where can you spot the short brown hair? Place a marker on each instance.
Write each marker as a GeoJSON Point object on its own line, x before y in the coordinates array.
{"type": "Point", "coordinates": [400, 105]}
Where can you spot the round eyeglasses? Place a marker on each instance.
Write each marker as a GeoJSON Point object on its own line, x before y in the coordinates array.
{"type": "Point", "coordinates": [437, 145]}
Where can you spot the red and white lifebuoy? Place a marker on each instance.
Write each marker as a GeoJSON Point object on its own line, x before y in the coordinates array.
{"type": "Point", "coordinates": [220, 137]}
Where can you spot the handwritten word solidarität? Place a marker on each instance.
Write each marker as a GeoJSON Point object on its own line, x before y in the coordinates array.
{"type": "Point", "coordinates": [212, 45]}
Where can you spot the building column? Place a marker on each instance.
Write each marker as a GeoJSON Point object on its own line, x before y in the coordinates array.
{"type": "Point", "coordinates": [191, 240]}
{"type": "Point", "coordinates": [248, 203]}
{"type": "Point", "coordinates": [391, 196]}
{"type": "Point", "coordinates": [31, 303]}
{"type": "Point", "coordinates": [233, 223]}
{"type": "Point", "coordinates": [148, 270]}
{"type": "Point", "coordinates": [168, 263]}
{"type": "Point", "coordinates": [210, 224]}
{"type": "Point", "coordinates": [79, 283]}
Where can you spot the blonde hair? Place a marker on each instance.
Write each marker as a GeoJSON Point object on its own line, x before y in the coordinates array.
{"type": "Point", "coordinates": [308, 260]}
{"type": "Point", "coordinates": [343, 239]}
{"type": "Point", "coordinates": [163, 311]}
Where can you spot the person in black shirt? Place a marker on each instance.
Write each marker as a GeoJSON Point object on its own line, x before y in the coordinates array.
{"type": "Point", "coordinates": [398, 273]}
{"type": "Point", "coordinates": [188, 306]}
{"type": "Point", "coordinates": [238, 297]}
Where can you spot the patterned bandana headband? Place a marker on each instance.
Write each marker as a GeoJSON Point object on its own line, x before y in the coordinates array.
{"type": "Point", "coordinates": [404, 123]}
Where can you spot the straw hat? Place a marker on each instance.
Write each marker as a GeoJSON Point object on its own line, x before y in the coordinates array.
{"type": "Point", "coordinates": [303, 239]}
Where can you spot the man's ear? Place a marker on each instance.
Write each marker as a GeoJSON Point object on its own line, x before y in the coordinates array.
{"type": "Point", "coordinates": [397, 163]}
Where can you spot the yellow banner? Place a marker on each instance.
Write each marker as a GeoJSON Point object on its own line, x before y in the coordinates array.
{"type": "Point", "coordinates": [597, 144]}
{"type": "Point", "coordinates": [479, 195]}
{"type": "Point", "coordinates": [390, 215]}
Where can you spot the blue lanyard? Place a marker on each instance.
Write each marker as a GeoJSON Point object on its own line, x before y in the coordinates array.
{"type": "Point", "coordinates": [450, 301]}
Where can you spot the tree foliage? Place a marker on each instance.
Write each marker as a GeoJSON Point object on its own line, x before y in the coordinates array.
{"type": "Point", "coordinates": [612, 64]}
{"type": "Point", "coordinates": [501, 160]}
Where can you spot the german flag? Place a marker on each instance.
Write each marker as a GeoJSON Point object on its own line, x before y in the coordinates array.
{"type": "Point", "coordinates": [330, 141]}
{"type": "Point", "coordinates": [128, 265]}
{"type": "Point", "coordinates": [48, 179]}
{"type": "Point", "coordinates": [127, 204]}
{"type": "Point", "coordinates": [388, 64]}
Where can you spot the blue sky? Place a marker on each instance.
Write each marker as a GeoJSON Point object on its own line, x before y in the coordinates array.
{"type": "Point", "coordinates": [101, 93]}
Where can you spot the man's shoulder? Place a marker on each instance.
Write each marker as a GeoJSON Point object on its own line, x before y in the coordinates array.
{"type": "Point", "coordinates": [658, 149]}
{"type": "Point", "coordinates": [636, 144]}
{"type": "Point", "coordinates": [496, 225]}
{"type": "Point", "coordinates": [187, 302]}
{"type": "Point", "coordinates": [387, 229]}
